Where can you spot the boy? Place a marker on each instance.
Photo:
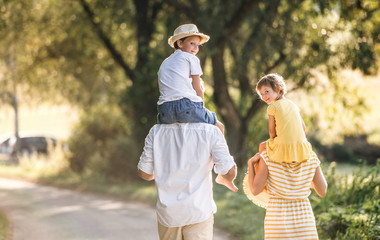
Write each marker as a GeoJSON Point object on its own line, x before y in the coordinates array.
{"type": "Point", "coordinates": [181, 89]}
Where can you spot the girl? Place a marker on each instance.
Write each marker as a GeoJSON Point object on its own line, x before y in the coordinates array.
{"type": "Point", "coordinates": [287, 141]}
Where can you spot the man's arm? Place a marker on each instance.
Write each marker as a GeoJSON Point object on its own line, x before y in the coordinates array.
{"type": "Point", "coordinates": [145, 176]}
{"type": "Point", "coordinates": [145, 166]}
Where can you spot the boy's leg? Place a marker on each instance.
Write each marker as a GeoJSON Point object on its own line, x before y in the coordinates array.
{"type": "Point", "coordinates": [166, 113]}
{"type": "Point", "coordinates": [199, 231]}
{"type": "Point", "coordinates": [194, 112]}
{"type": "Point", "coordinates": [228, 179]}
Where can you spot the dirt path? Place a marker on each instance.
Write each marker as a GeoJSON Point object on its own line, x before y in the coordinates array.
{"type": "Point", "coordinates": [47, 213]}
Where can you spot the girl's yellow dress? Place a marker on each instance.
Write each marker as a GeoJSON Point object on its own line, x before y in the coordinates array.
{"type": "Point", "coordinates": [290, 144]}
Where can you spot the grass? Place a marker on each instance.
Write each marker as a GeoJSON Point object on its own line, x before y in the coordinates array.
{"type": "Point", "coordinates": [238, 215]}
{"type": "Point", "coordinates": [4, 227]}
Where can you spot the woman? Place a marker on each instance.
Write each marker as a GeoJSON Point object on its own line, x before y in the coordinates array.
{"type": "Point", "coordinates": [283, 189]}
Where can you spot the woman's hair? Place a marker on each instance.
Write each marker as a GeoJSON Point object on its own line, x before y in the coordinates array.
{"type": "Point", "coordinates": [273, 80]}
{"type": "Point", "coordinates": [176, 45]}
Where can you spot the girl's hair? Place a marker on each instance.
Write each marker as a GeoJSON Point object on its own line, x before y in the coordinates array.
{"type": "Point", "coordinates": [273, 80]}
{"type": "Point", "coordinates": [176, 45]}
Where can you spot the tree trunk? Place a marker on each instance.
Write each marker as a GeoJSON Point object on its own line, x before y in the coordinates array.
{"type": "Point", "coordinates": [235, 125]}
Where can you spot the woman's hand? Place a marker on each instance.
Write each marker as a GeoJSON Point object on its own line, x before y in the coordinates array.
{"type": "Point", "coordinates": [254, 159]}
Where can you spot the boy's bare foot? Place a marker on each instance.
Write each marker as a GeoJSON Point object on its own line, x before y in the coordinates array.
{"type": "Point", "coordinates": [222, 181]}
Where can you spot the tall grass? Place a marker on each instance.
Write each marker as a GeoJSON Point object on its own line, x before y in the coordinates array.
{"type": "Point", "coordinates": [351, 208]}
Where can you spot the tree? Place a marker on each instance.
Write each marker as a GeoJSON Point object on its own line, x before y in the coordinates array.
{"type": "Point", "coordinates": [91, 51]}
{"type": "Point", "coordinates": [252, 38]}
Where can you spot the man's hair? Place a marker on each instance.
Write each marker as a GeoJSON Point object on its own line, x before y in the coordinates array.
{"type": "Point", "coordinates": [273, 80]}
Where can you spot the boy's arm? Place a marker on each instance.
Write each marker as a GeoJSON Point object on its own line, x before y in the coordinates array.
{"type": "Point", "coordinates": [197, 85]}
{"type": "Point", "coordinates": [272, 126]}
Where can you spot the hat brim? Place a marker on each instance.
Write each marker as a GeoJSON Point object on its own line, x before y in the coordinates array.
{"type": "Point", "coordinates": [260, 199]}
{"type": "Point", "coordinates": [173, 39]}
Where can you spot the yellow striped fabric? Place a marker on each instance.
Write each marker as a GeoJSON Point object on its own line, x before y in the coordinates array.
{"type": "Point", "coordinates": [289, 214]}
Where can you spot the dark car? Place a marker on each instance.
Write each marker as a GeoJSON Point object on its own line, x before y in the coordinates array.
{"type": "Point", "coordinates": [4, 145]}
{"type": "Point", "coordinates": [32, 144]}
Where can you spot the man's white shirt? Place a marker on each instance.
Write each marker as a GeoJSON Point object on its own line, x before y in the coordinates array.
{"type": "Point", "coordinates": [181, 157]}
{"type": "Point", "coordinates": [174, 77]}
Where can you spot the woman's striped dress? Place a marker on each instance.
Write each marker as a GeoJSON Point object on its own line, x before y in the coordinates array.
{"type": "Point", "coordinates": [288, 211]}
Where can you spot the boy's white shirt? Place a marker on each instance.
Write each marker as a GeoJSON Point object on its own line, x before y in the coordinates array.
{"type": "Point", "coordinates": [174, 77]}
{"type": "Point", "coordinates": [181, 156]}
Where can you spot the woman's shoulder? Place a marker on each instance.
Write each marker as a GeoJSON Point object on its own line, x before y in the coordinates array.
{"type": "Point", "coordinates": [312, 162]}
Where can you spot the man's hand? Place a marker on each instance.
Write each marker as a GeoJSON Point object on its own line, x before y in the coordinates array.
{"type": "Point", "coordinates": [254, 159]}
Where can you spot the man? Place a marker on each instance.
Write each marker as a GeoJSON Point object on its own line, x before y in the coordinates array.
{"type": "Point", "coordinates": [180, 158]}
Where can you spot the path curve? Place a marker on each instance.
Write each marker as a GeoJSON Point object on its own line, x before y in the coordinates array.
{"type": "Point", "coordinates": [48, 213]}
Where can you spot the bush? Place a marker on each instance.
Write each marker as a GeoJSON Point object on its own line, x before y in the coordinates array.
{"type": "Point", "coordinates": [100, 145]}
{"type": "Point", "coordinates": [341, 154]}
{"type": "Point", "coordinates": [350, 209]}
{"type": "Point", "coordinates": [353, 150]}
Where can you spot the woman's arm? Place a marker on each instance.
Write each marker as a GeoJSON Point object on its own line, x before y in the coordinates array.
{"type": "Point", "coordinates": [197, 85]}
{"type": "Point", "coordinates": [272, 126]}
{"type": "Point", "coordinates": [319, 182]}
{"type": "Point", "coordinates": [257, 180]}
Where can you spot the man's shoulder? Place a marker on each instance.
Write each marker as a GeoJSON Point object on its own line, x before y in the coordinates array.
{"type": "Point", "coordinates": [185, 127]}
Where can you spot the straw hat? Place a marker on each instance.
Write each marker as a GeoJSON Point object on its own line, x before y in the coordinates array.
{"type": "Point", "coordinates": [262, 198]}
{"type": "Point", "coordinates": [187, 30]}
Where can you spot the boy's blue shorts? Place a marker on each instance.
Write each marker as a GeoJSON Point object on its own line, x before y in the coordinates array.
{"type": "Point", "coordinates": [185, 111]}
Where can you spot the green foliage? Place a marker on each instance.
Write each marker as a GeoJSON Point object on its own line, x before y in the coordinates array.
{"type": "Point", "coordinates": [351, 207]}
{"type": "Point", "coordinates": [100, 145]}
{"type": "Point", "coordinates": [354, 149]}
